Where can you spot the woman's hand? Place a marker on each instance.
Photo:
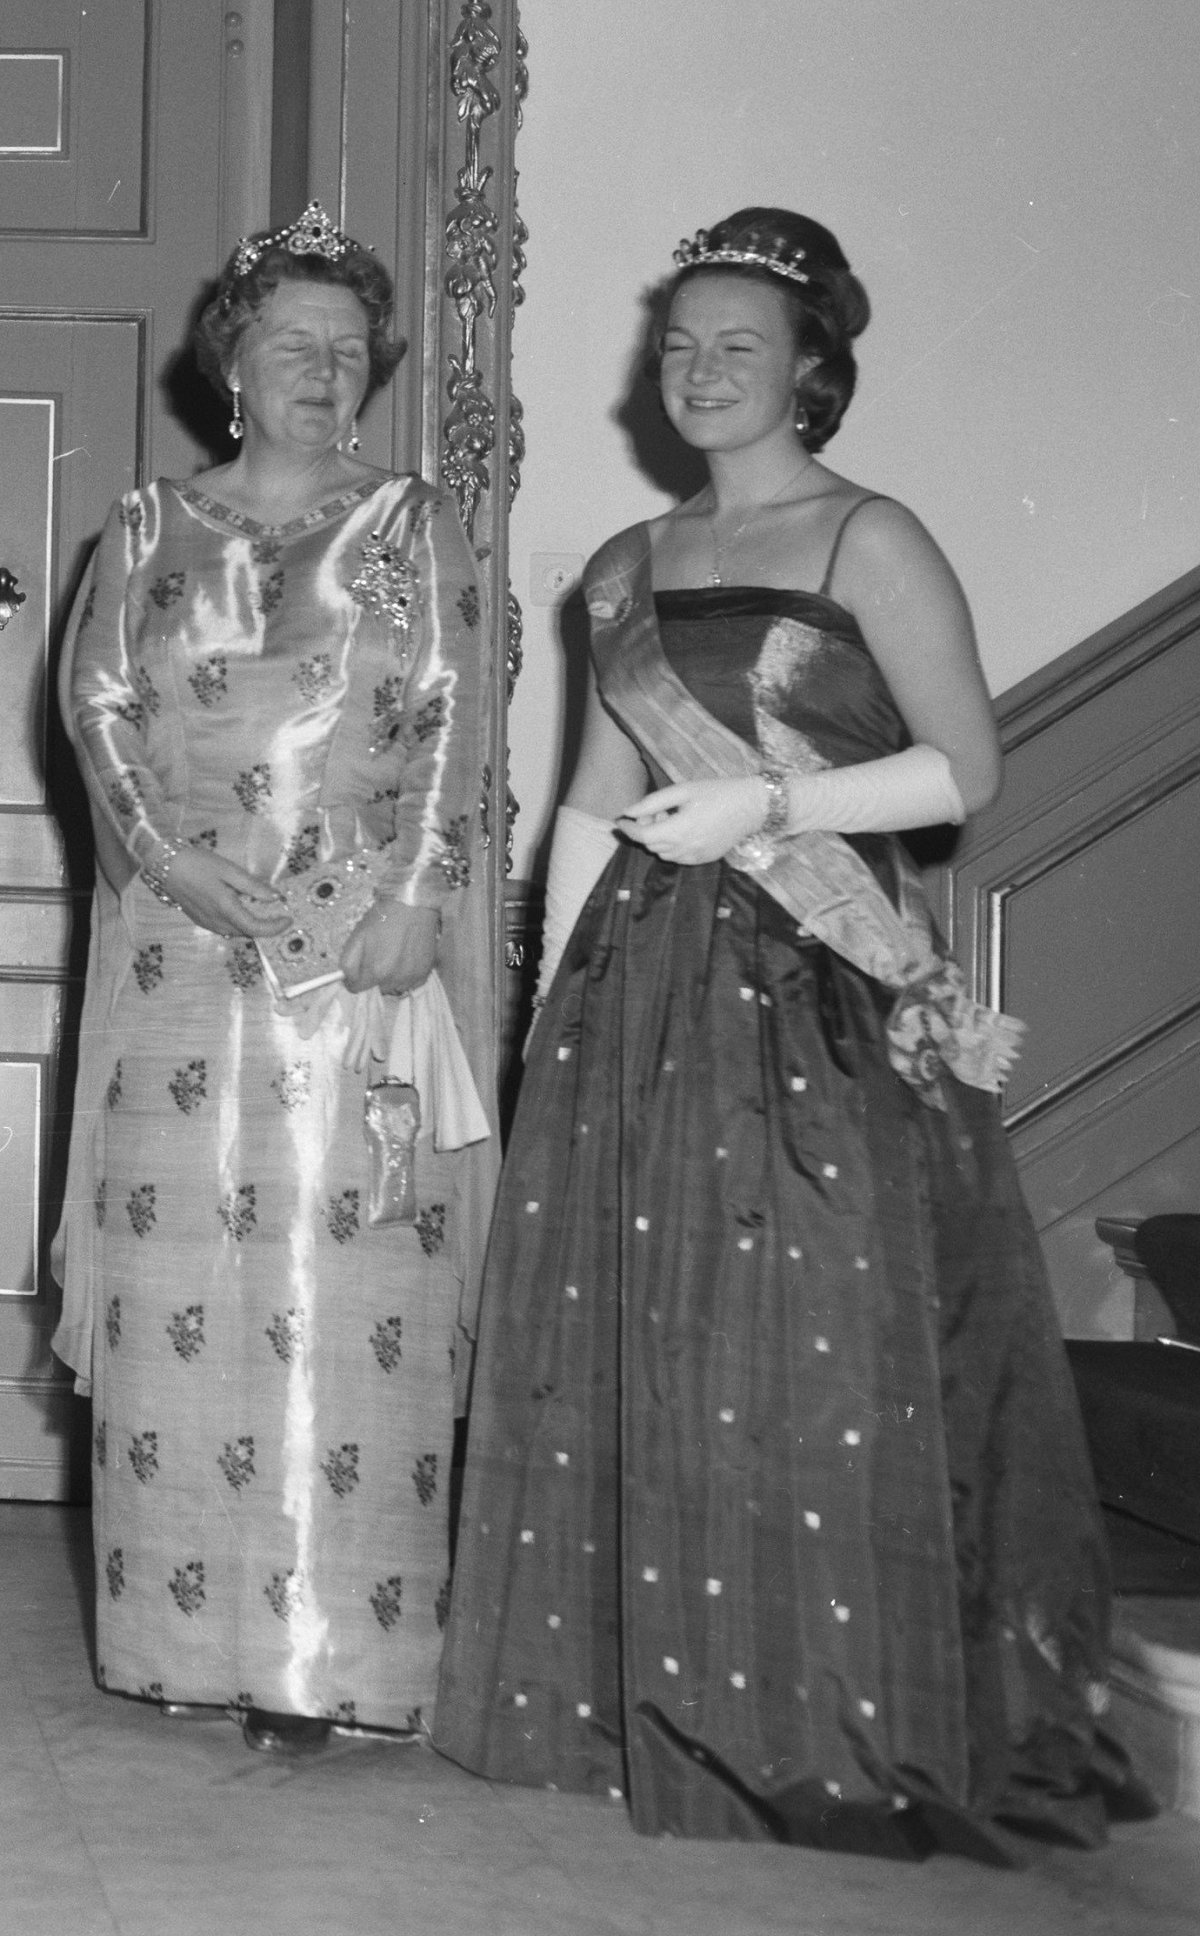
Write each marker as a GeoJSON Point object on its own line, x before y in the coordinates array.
{"type": "Point", "coordinates": [219, 895]}
{"type": "Point", "coordinates": [698, 820]}
{"type": "Point", "coordinates": [393, 948]}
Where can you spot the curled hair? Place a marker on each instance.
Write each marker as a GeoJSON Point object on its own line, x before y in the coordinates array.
{"type": "Point", "coordinates": [239, 299]}
{"type": "Point", "coordinates": [827, 311]}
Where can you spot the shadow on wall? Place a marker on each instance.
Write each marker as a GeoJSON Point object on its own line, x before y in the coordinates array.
{"type": "Point", "coordinates": [191, 398]}
{"type": "Point", "coordinates": [658, 451]}
{"type": "Point", "coordinates": [665, 461]}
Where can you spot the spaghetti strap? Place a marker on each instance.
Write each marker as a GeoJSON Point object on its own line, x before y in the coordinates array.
{"type": "Point", "coordinates": [871, 497]}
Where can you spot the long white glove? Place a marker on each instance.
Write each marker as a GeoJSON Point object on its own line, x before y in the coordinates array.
{"type": "Point", "coordinates": [915, 788]}
{"type": "Point", "coordinates": [579, 852]}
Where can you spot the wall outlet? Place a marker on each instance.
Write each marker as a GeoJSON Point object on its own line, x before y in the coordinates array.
{"type": "Point", "coordinates": [553, 576]}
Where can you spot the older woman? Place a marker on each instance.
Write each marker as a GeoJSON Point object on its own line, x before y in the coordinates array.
{"type": "Point", "coordinates": [276, 672]}
{"type": "Point", "coordinates": [777, 1517]}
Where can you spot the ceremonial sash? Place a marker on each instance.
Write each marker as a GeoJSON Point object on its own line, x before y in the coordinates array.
{"type": "Point", "coordinates": [934, 1024]}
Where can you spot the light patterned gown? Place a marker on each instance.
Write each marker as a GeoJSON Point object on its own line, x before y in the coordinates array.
{"type": "Point", "coordinates": [272, 1376]}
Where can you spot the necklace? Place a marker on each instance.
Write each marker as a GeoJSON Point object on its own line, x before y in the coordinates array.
{"type": "Point", "coordinates": [717, 574]}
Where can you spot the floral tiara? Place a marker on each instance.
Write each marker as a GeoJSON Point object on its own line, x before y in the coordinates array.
{"type": "Point", "coordinates": [699, 254]}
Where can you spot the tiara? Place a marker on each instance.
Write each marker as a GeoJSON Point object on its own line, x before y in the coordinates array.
{"type": "Point", "coordinates": [699, 255]}
{"type": "Point", "coordinates": [312, 234]}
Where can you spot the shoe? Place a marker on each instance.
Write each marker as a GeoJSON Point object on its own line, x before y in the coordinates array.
{"type": "Point", "coordinates": [284, 1733]}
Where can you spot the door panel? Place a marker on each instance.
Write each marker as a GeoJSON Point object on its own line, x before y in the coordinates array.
{"type": "Point", "coordinates": [28, 438]}
{"type": "Point", "coordinates": [131, 141]}
{"type": "Point", "coordinates": [22, 1154]}
{"type": "Point", "coordinates": [69, 412]}
{"type": "Point", "coordinates": [73, 116]}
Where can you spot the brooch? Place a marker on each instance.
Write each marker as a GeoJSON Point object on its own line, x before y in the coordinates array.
{"type": "Point", "coordinates": [387, 583]}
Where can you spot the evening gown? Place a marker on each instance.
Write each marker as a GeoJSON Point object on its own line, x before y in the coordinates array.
{"type": "Point", "coordinates": [778, 1521]}
{"type": "Point", "coordinates": [272, 1375]}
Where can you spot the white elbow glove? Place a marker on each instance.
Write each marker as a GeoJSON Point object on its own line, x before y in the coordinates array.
{"type": "Point", "coordinates": [915, 788]}
{"type": "Point", "coordinates": [579, 852]}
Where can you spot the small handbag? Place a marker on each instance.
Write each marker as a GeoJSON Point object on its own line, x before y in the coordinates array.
{"type": "Point", "coordinates": [391, 1119]}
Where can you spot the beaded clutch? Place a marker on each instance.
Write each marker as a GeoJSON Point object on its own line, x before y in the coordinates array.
{"type": "Point", "coordinates": [326, 904]}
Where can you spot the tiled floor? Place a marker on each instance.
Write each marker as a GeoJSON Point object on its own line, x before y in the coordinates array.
{"type": "Point", "coordinates": [114, 1820]}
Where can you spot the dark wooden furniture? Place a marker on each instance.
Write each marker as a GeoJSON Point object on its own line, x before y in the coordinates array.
{"type": "Point", "coordinates": [1141, 1400]}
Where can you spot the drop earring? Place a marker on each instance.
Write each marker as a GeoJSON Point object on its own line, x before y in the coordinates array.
{"type": "Point", "coordinates": [237, 428]}
{"type": "Point", "coordinates": [801, 418]}
{"type": "Point", "coordinates": [354, 441]}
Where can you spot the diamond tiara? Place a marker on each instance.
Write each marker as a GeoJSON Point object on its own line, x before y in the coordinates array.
{"type": "Point", "coordinates": [699, 255]}
{"type": "Point", "coordinates": [312, 234]}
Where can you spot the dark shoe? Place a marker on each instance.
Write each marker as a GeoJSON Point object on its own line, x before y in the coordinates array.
{"type": "Point", "coordinates": [284, 1733]}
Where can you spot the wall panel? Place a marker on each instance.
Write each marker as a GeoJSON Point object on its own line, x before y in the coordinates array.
{"type": "Point", "coordinates": [1073, 903]}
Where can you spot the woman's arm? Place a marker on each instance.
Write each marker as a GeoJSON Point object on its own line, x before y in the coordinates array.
{"type": "Point", "coordinates": [437, 807]}
{"type": "Point", "coordinates": [915, 619]}
{"type": "Point", "coordinates": [394, 947]}
{"type": "Point", "coordinates": [105, 695]}
{"type": "Point", "coordinates": [609, 774]}
{"type": "Point", "coordinates": [609, 777]}
{"type": "Point", "coordinates": [108, 699]}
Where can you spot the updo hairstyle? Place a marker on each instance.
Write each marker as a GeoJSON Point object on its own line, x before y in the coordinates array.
{"type": "Point", "coordinates": [239, 298]}
{"type": "Point", "coordinates": [827, 311]}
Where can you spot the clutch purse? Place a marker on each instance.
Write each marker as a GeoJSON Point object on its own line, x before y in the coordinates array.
{"type": "Point", "coordinates": [326, 904]}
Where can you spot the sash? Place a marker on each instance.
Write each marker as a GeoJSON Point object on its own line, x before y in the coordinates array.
{"type": "Point", "coordinates": [934, 1025]}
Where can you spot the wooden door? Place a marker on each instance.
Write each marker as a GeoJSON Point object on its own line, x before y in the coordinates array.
{"type": "Point", "coordinates": [134, 144]}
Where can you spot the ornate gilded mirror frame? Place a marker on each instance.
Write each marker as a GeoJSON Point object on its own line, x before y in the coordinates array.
{"type": "Point", "coordinates": [414, 107]}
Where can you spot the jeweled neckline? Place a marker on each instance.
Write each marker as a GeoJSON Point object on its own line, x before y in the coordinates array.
{"type": "Point", "coordinates": [212, 507]}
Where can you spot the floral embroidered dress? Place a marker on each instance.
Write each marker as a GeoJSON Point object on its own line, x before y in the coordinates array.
{"type": "Point", "coordinates": [777, 1518]}
{"type": "Point", "coordinates": [272, 1377]}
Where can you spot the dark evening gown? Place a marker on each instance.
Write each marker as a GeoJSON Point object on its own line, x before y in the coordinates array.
{"type": "Point", "coordinates": [778, 1521]}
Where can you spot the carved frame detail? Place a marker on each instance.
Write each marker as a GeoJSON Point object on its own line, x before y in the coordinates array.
{"type": "Point", "coordinates": [484, 257]}
{"type": "Point", "coordinates": [412, 128]}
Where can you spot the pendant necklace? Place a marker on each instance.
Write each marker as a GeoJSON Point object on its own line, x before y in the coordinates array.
{"type": "Point", "coordinates": [716, 574]}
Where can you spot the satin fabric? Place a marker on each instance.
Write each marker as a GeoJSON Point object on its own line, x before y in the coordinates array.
{"type": "Point", "coordinates": [778, 1521]}
{"type": "Point", "coordinates": [818, 877]}
{"type": "Point", "coordinates": [272, 1377]}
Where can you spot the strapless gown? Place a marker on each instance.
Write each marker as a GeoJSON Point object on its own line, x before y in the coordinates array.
{"type": "Point", "coordinates": [778, 1521]}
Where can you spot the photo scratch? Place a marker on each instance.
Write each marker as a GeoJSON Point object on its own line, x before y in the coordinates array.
{"type": "Point", "coordinates": [997, 295]}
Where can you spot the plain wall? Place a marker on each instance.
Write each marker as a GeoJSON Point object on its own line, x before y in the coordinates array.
{"type": "Point", "coordinates": [1016, 183]}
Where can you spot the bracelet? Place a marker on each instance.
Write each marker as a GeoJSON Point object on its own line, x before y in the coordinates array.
{"type": "Point", "coordinates": [154, 872]}
{"type": "Point", "coordinates": [757, 850]}
{"type": "Point", "coordinates": [779, 803]}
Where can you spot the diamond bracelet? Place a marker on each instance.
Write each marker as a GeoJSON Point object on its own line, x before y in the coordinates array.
{"type": "Point", "coordinates": [154, 872]}
{"type": "Point", "coordinates": [757, 850]}
{"type": "Point", "coordinates": [779, 803]}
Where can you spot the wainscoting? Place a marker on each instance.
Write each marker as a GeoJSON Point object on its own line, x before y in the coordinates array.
{"type": "Point", "coordinates": [1074, 903]}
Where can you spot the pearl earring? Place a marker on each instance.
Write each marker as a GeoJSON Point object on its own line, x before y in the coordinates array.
{"type": "Point", "coordinates": [237, 428]}
{"type": "Point", "coordinates": [354, 441]}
